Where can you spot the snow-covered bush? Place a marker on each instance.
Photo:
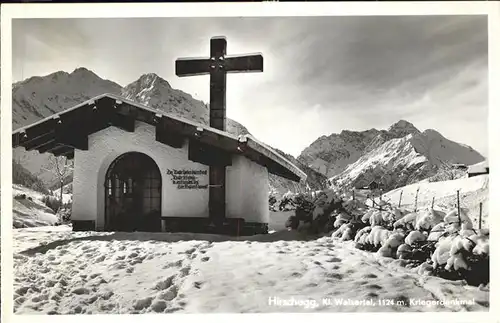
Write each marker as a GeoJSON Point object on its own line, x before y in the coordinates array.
{"type": "Point", "coordinates": [482, 242]}
{"type": "Point", "coordinates": [64, 214]}
{"type": "Point", "coordinates": [437, 232]}
{"type": "Point", "coordinates": [425, 269]}
{"type": "Point", "coordinates": [286, 204]}
{"type": "Point", "coordinates": [318, 213]}
{"type": "Point", "coordinates": [361, 237]}
{"type": "Point", "coordinates": [463, 257]}
{"type": "Point", "coordinates": [272, 202]}
{"type": "Point", "coordinates": [52, 202]}
{"type": "Point", "coordinates": [453, 217]}
{"type": "Point", "coordinates": [404, 251]}
{"type": "Point", "coordinates": [407, 221]}
{"type": "Point", "coordinates": [429, 219]}
{"type": "Point", "coordinates": [345, 232]}
{"type": "Point", "coordinates": [414, 236]}
{"type": "Point", "coordinates": [378, 235]}
{"type": "Point", "coordinates": [341, 219]}
{"type": "Point", "coordinates": [371, 238]}
{"type": "Point", "coordinates": [391, 245]}
{"type": "Point", "coordinates": [434, 241]}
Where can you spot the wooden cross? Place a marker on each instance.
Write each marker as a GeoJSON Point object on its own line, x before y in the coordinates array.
{"type": "Point", "coordinates": [218, 65]}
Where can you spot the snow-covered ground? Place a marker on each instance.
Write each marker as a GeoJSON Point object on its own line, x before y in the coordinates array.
{"type": "Point", "coordinates": [473, 191]}
{"type": "Point", "coordinates": [59, 271]}
{"type": "Point", "coordinates": [30, 212]}
{"type": "Point", "coordinates": [277, 220]}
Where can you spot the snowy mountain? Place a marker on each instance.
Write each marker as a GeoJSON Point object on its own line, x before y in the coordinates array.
{"type": "Point", "coordinates": [40, 97]}
{"type": "Point", "coordinates": [155, 92]}
{"type": "Point", "coordinates": [404, 155]}
{"type": "Point", "coordinates": [331, 155]}
{"type": "Point", "coordinates": [315, 180]}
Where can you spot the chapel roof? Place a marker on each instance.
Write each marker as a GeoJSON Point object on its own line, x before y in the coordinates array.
{"type": "Point", "coordinates": [67, 130]}
{"type": "Point", "coordinates": [480, 167]}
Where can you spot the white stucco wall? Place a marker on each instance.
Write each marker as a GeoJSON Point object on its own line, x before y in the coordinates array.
{"type": "Point", "coordinates": [247, 186]}
{"type": "Point", "coordinates": [106, 145]}
{"type": "Point", "coordinates": [246, 182]}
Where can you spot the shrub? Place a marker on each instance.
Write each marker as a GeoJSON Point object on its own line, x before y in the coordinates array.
{"type": "Point", "coordinates": [53, 203]}
{"type": "Point", "coordinates": [64, 214]}
{"type": "Point", "coordinates": [20, 197]}
{"type": "Point", "coordinates": [272, 202]}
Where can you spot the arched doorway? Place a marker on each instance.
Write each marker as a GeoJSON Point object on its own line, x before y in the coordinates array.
{"type": "Point", "coordinates": [133, 194]}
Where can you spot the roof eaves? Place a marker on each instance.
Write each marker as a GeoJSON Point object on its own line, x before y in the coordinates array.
{"type": "Point", "coordinates": [258, 146]}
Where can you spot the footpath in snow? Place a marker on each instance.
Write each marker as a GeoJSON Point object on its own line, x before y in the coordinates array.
{"type": "Point", "coordinates": [62, 272]}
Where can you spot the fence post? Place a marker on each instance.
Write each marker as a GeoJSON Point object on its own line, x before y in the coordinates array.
{"type": "Point", "coordinates": [432, 205]}
{"type": "Point", "coordinates": [458, 205]}
{"type": "Point", "coordinates": [380, 200]}
{"type": "Point", "coordinates": [416, 199]}
{"type": "Point", "coordinates": [480, 214]}
{"type": "Point", "coordinates": [400, 197]}
{"type": "Point", "coordinates": [353, 197]}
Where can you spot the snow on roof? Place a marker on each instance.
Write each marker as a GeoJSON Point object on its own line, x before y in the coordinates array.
{"type": "Point", "coordinates": [272, 151]}
{"type": "Point", "coordinates": [479, 167]}
{"type": "Point", "coordinates": [255, 145]}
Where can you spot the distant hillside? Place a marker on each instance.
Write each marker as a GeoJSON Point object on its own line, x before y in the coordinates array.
{"type": "Point", "coordinates": [22, 176]}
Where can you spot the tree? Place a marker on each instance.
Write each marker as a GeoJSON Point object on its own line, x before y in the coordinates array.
{"type": "Point", "coordinates": [446, 171]}
{"type": "Point", "coordinates": [61, 167]}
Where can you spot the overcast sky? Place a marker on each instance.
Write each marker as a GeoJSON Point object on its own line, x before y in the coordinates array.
{"type": "Point", "coordinates": [321, 74]}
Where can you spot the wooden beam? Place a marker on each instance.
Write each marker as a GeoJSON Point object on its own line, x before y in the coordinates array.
{"type": "Point", "coordinates": [41, 129]}
{"type": "Point", "coordinates": [34, 142]}
{"type": "Point", "coordinates": [16, 139]}
{"type": "Point", "coordinates": [46, 146]}
{"type": "Point", "coordinates": [123, 122]}
{"type": "Point", "coordinates": [191, 67]}
{"type": "Point", "coordinates": [77, 141]}
{"type": "Point", "coordinates": [208, 155]}
{"type": "Point", "coordinates": [217, 193]}
{"type": "Point", "coordinates": [70, 154]}
{"type": "Point", "coordinates": [69, 134]}
{"type": "Point", "coordinates": [57, 150]}
{"type": "Point", "coordinates": [246, 64]}
{"type": "Point", "coordinates": [205, 136]}
{"type": "Point", "coordinates": [167, 137]}
{"type": "Point", "coordinates": [63, 151]}
{"type": "Point", "coordinates": [135, 113]}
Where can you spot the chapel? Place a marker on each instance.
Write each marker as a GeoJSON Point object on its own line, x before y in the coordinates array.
{"type": "Point", "coordinates": [142, 169]}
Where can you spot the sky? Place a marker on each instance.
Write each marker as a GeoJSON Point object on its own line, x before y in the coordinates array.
{"type": "Point", "coordinates": [321, 74]}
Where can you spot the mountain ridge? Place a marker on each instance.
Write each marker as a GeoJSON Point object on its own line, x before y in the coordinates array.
{"type": "Point", "coordinates": [393, 157]}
